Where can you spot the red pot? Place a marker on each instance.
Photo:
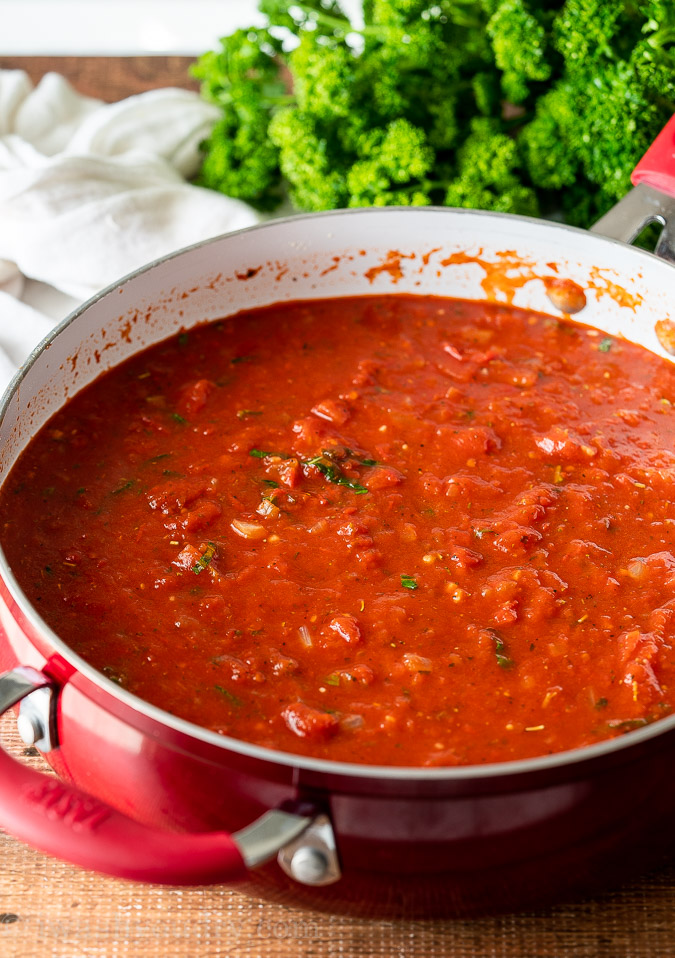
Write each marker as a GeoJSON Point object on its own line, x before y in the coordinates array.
{"type": "Point", "coordinates": [144, 795]}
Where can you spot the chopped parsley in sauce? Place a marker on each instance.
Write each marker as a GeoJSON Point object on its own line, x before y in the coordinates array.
{"type": "Point", "coordinates": [395, 530]}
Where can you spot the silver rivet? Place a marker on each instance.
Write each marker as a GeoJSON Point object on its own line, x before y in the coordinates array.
{"type": "Point", "coordinates": [308, 865]}
{"type": "Point", "coordinates": [30, 728]}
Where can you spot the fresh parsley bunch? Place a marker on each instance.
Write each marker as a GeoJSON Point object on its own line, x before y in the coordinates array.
{"type": "Point", "coordinates": [523, 106]}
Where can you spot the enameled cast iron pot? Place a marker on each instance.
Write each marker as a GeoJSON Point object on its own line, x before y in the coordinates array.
{"type": "Point", "coordinates": [144, 795]}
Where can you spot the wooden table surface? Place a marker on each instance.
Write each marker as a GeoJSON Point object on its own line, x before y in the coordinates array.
{"type": "Point", "coordinates": [52, 910]}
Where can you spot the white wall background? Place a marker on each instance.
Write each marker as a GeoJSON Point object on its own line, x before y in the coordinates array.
{"type": "Point", "coordinates": [61, 27]}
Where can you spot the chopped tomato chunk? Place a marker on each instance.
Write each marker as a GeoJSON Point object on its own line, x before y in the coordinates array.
{"type": "Point", "coordinates": [308, 722]}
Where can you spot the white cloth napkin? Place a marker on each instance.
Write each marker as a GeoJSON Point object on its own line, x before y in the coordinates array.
{"type": "Point", "coordinates": [90, 191]}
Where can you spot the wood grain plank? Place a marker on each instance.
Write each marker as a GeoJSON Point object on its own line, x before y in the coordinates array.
{"type": "Point", "coordinates": [109, 78]}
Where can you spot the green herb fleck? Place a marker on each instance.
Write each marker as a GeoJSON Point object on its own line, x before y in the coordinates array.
{"type": "Point", "coordinates": [503, 661]}
{"type": "Point", "coordinates": [271, 482]}
{"type": "Point", "coordinates": [408, 582]}
{"type": "Point", "coordinates": [333, 473]}
{"type": "Point", "coordinates": [125, 485]}
{"type": "Point", "coordinates": [332, 679]}
{"type": "Point", "coordinates": [178, 418]}
{"type": "Point", "coordinates": [230, 696]}
{"type": "Point", "coordinates": [183, 339]}
{"type": "Point", "coordinates": [479, 533]}
{"type": "Point", "coordinates": [605, 345]}
{"type": "Point", "coordinates": [243, 413]}
{"type": "Point", "coordinates": [364, 462]}
{"type": "Point", "coordinates": [326, 466]}
{"type": "Point", "coordinates": [113, 675]}
{"type": "Point", "coordinates": [204, 559]}
{"type": "Point", "coordinates": [264, 453]}
{"type": "Point", "coordinates": [601, 703]}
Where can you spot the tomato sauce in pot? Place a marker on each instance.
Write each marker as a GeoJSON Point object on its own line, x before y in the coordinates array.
{"type": "Point", "coordinates": [390, 529]}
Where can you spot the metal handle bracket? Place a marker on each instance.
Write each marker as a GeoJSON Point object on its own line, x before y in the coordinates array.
{"type": "Point", "coordinates": [640, 207]}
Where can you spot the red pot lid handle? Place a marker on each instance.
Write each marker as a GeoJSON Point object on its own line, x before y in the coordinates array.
{"type": "Point", "coordinates": [657, 166]}
{"type": "Point", "coordinates": [64, 821]}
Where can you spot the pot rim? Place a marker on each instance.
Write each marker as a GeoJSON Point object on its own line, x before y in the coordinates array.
{"type": "Point", "coordinates": [457, 773]}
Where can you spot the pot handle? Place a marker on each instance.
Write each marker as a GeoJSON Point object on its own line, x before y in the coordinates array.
{"type": "Point", "coordinates": [657, 166]}
{"type": "Point", "coordinates": [64, 821]}
{"type": "Point", "coordinates": [652, 199]}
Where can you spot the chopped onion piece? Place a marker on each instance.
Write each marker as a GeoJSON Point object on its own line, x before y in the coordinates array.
{"type": "Point", "coordinates": [305, 637]}
{"type": "Point", "coordinates": [351, 721]}
{"type": "Point", "coordinates": [249, 530]}
{"type": "Point", "coordinates": [417, 663]}
{"type": "Point", "coordinates": [267, 508]}
{"type": "Point", "coordinates": [637, 569]}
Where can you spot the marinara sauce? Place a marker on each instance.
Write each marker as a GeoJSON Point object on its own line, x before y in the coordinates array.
{"type": "Point", "coordinates": [395, 530]}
